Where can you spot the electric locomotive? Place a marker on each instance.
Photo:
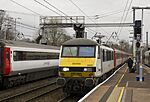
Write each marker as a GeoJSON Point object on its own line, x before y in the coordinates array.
{"type": "Point", "coordinates": [84, 63]}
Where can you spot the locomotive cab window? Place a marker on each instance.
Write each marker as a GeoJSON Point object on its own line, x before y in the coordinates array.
{"type": "Point", "coordinates": [78, 51]}
{"type": "Point", "coordinates": [69, 51]}
{"type": "Point", "coordinates": [86, 51]}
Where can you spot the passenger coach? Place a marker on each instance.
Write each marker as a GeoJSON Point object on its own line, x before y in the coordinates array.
{"type": "Point", "coordinates": [22, 62]}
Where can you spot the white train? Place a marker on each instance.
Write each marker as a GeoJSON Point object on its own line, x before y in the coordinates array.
{"type": "Point", "coordinates": [84, 63]}
{"type": "Point", "coordinates": [22, 62]}
{"type": "Point", "coordinates": [147, 58]}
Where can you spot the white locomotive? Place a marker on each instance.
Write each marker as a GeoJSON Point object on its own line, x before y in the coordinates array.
{"type": "Point", "coordinates": [84, 63]}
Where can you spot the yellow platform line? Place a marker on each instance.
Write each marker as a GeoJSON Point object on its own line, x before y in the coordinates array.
{"type": "Point", "coordinates": [121, 78]}
{"type": "Point", "coordinates": [121, 94]}
{"type": "Point", "coordinates": [122, 89]}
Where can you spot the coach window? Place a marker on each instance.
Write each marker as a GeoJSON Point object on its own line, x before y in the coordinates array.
{"type": "Point", "coordinates": [103, 55]}
{"type": "Point", "coordinates": [98, 52]}
{"type": "Point", "coordinates": [24, 55]}
{"type": "Point", "coordinates": [112, 55]}
{"type": "Point", "coordinates": [107, 55]}
{"type": "Point", "coordinates": [15, 56]}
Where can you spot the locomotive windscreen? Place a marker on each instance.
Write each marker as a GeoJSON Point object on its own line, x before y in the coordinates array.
{"type": "Point", "coordinates": [78, 51]}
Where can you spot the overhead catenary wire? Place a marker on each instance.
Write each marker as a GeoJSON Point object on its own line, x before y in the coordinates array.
{"type": "Point", "coordinates": [123, 14]}
{"type": "Point", "coordinates": [55, 7]}
{"type": "Point", "coordinates": [55, 11]}
{"type": "Point", "coordinates": [21, 13]}
{"type": "Point", "coordinates": [25, 7]}
{"type": "Point", "coordinates": [52, 9]}
{"type": "Point", "coordinates": [123, 19]}
{"type": "Point", "coordinates": [26, 27]}
{"type": "Point", "coordinates": [120, 22]}
{"type": "Point", "coordinates": [126, 15]}
{"type": "Point", "coordinates": [86, 14]}
{"type": "Point", "coordinates": [110, 14]}
{"type": "Point", "coordinates": [29, 26]}
{"type": "Point", "coordinates": [47, 7]}
{"type": "Point", "coordinates": [58, 10]}
{"type": "Point", "coordinates": [117, 34]}
{"type": "Point", "coordinates": [23, 24]}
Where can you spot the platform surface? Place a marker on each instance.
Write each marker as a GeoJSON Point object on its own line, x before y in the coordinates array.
{"type": "Point", "coordinates": [123, 87]}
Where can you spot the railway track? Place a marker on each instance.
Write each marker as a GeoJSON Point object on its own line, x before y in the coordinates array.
{"type": "Point", "coordinates": [64, 98]}
{"type": "Point", "coordinates": [31, 94]}
{"type": "Point", "coordinates": [47, 92]}
{"type": "Point", "coordinates": [71, 98]}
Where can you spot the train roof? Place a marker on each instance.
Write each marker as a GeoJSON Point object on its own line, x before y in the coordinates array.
{"type": "Point", "coordinates": [147, 52]}
{"type": "Point", "coordinates": [106, 48]}
{"type": "Point", "coordinates": [25, 44]}
{"type": "Point", "coordinates": [80, 41]}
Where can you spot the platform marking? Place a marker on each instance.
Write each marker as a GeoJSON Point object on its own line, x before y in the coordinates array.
{"type": "Point", "coordinates": [120, 96]}
{"type": "Point", "coordinates": [122, 91]}
{"type": "Point", "coordinates": [121, 78]}
{"type": "Point", "coordinates": [125, 92]}
{"type": "Point", "coordinates": [88, 94]}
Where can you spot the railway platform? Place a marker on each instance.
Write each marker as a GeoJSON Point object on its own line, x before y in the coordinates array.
{"type": "Point", "coordinates": [121, 87]}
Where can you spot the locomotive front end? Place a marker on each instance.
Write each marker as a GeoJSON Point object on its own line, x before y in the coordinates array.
{"type": "Point", "coordinates": [77, 67]}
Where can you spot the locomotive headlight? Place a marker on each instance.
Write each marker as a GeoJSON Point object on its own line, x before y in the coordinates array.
{"type": "Point", "coordinates": [65, 69]}
{"type": "Point", "coordinates": [87, 69]}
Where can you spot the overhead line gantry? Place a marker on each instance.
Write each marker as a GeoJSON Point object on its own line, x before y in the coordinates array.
{"type": "Point", "coordinates": [77, 22]}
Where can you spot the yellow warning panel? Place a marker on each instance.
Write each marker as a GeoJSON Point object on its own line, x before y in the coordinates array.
{"type": "Point", "coordinates": [77, 62]}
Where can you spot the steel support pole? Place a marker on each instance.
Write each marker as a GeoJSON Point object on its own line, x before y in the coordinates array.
{"type": "Point", "coordinates": [146, 40]}
{"type": "Point", "coordinates": [134, 41]}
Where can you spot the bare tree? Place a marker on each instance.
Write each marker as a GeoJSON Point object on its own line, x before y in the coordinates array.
{"type": "Point", "coordinates": [56, 36]}
{"type": "Point", "coordinates": [6, 26]}
{"type": "Point", "coordinates": [52, 36]}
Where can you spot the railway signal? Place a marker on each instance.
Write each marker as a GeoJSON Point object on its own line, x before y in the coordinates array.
{"type": "Point", "coordinates": [79, 30]}
{"type": "Point", "coordinates": [137, 29]}
{"type": "Point", "coordinates": [138, 44]}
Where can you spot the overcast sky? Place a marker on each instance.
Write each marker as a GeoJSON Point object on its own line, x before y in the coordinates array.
{"type": "Point", "coordinates": [90, 7]}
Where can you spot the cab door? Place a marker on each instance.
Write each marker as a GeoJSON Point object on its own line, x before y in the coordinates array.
{"type": "Point", "coordinates": [99, 64]}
